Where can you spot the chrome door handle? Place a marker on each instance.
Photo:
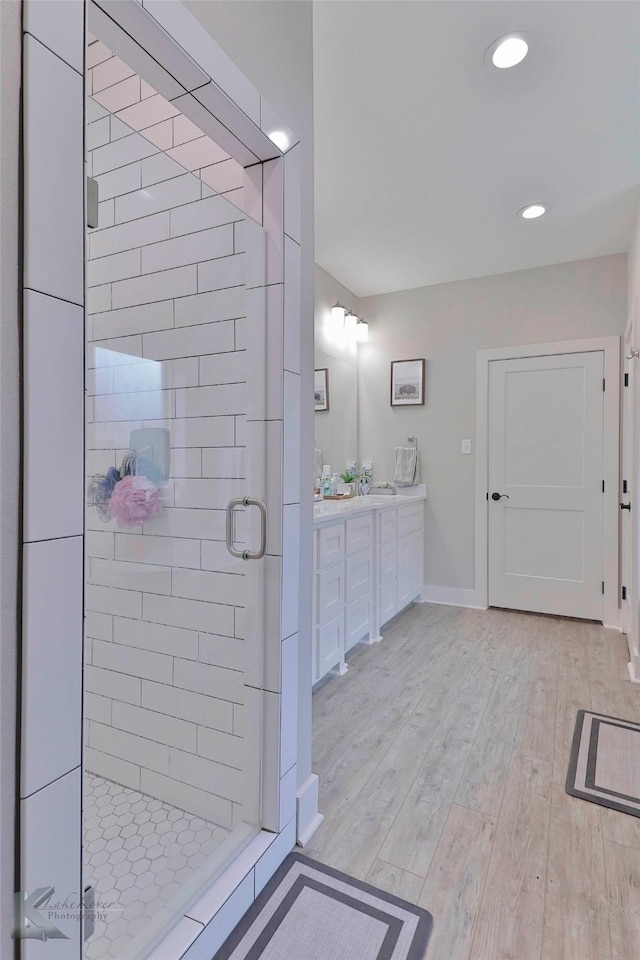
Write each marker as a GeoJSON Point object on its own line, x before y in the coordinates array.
{"type": "Point", "coordinates": [247, 502]}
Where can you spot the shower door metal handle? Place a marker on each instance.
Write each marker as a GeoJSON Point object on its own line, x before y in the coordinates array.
{"type": "Point", "coordinates": [247, 502]}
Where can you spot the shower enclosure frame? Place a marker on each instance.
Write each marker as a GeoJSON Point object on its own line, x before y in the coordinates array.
{"type": "Point", "coordinates": [172, 51]}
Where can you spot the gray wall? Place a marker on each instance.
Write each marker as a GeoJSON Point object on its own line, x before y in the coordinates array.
{"type": "Point", "coordinates": [9, 448]}
{"type": "Point", "coordinates": [272, 43]}
{"type": "Point", "coordinates": [447, 324]}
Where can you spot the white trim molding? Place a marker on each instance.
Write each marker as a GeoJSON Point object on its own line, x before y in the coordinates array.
{"type": "Point", "coordinates": [610, 346]}
{"type": "Point", "coordinates": [307, 815]}
{"type": "Point", "coordinates": [452, 596]}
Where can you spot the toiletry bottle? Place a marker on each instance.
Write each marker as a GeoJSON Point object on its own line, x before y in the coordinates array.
{"type": "Point", "coordinates": [335, 480]}
{"type": "Point", "coordinates": [326, 480]}
{"type": "Point", "coordinates": [317, 489]}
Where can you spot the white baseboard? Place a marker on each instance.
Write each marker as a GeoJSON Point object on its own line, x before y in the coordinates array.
{"type": "Point", "coordinates": [633, 676]}
{"type": "Point", "coordinates": [452, 597]}
{"type": "Point", "coordinates": [308, 817]}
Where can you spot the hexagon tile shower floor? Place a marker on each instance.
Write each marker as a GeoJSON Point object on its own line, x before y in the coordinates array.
{"type": "Point", "coordinates": [137, 853]}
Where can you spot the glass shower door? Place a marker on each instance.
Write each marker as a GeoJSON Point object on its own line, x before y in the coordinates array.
{"type": "Point", "coordinates": [176, 528]}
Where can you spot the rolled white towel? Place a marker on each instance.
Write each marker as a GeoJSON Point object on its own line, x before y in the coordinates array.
{"type": "Point", "coordinates": [407, 467]}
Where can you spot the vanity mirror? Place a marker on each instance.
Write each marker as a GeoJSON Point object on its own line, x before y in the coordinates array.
{"type": "Point", "coordinates": [336, 424]}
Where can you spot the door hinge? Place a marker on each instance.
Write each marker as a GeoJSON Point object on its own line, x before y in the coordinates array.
{"type": "Point", "coordinates": [624, 593]}
{"type": "Point", "coordinates": [626, 379]}
{"type": "Point", "coordinates": [603, 587]}
{"type": "Point", "coordinates": [487, 494]}
{"type": "Point", "coordinates": [624, 486]}
{"type": "Point", "coordinates": [603, 486]}
{"type": "Point", "coordinates": [603, 383]}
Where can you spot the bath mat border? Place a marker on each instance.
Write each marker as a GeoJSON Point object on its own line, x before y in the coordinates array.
{"type": "Point", "coordinates": [570, 785]}
{"type": "Point", "coordinates": [421, 936]}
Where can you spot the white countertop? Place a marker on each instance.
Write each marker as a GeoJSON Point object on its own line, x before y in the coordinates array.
{"type": "Point", "coordinates": [326, 510]}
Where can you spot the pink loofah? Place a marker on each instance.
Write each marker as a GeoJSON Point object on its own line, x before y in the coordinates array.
{"type": "Point", "coordinates": [134, 500]}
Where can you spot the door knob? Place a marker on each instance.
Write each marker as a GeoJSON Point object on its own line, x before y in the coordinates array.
{"type": "Point", "coordinates": [498, 496]}
{"type": "Point", "coordinates": [625, 506]}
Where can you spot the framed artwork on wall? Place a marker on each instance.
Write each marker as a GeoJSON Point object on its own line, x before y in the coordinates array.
{"type": "Point", "coordinates": [407, 382]}
{"type": "Point", "coordinates": [321, 388]}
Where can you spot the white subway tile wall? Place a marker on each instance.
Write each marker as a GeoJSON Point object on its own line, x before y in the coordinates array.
{"type": "Point", "coordinates": [165, 669]}
{"type": "Point", "coordinates": [121, 102]}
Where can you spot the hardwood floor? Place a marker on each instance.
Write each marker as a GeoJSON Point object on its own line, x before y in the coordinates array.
{"type": "Point", "coordinates": [442, 756]}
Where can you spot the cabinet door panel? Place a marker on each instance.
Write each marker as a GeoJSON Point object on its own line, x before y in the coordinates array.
{"type": "Point", "coordinates": [359, 534]}
{"type": "Point", "coordinates": [359, 576]}
{"type": "Point", "coordinates": [330, 644]}
{"type": "Point", "coordinates": [358, 621]}
{"type": "Point", "coordinates": [330, 592]}
{"type": "Point", "coordinates": [387, 601]}
{"type": "Point", "coordinates": [387, 554]}
{"type": "Point", "coordinates": [410, 518]}
{"type": "Point", "coordinates": [409, 568]}
{"type": "Point", "coordinates": [387, 525]}
{"type": "Point", "coordinates": [330, 544]}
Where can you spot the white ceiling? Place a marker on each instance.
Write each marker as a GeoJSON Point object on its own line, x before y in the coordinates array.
{"type": "Point", "coordinates": [423, 155]}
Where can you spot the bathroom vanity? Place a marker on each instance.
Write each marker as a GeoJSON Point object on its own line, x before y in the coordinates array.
{"type": "Point", "coordinates": [368, 563]}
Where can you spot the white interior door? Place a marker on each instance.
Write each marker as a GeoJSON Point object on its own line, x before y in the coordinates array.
{"type": "Point", "coordinates": [545, 486]}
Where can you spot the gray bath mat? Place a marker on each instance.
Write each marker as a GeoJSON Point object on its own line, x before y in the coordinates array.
{"type": "Point", "coordinates": [309, 911]}
{"type": "Point", "coordinates": [605, 762]}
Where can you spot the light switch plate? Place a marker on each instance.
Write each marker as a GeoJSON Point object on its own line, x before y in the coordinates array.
{"type": "Point", "coordinates": [466, 446]}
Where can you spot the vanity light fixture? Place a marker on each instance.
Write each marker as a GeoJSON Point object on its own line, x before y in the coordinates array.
{"type": "Point", "coordinates": [346, 328]}
{"type": "Point", "coordinates": [362, 331]}
{"type": "Point", "coordinates": [338, 313]}
{"type": "Point", "coordinates": [350, 324]}
{"type": "Point", "coordinates": [533, 211]}
{"type": "Point", "coordinates": [507, 51]}
{"type": "Point", "coordinates": [281, 140]}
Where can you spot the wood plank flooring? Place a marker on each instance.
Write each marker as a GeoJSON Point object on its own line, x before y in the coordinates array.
{"type": "Point", "coordinates": [442, 756]}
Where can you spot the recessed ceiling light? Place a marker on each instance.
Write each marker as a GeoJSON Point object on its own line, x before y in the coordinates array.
{"type": "Point", "coordinates": [281, 140]}
{"type": "Point", "coordinates": [507, 51]}
{"type": "Point", "coordinates": [533, 211]}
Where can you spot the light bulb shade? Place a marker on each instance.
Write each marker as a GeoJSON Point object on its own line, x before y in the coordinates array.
{"type": "Point", "coordinates": [362, 331]}
{"type": "Point", "coordinates": [350, 324]}
{"type": "Point", "coordinates": [337, 318]}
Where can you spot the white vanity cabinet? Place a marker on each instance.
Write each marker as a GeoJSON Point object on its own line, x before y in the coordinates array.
{"type": "Point", "coordinates": [400, 558]}
{"type": "Point", "coordinates": [409, 554]}
{"type": "Point", "coordinates": [343, 581]}
{"type": "Point", "coordinates": [368, 565]}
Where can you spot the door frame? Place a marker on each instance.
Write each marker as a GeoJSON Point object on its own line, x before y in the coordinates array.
{"type": "Point", "coordinates": [632, 474]}
{"type": "Point", "coordinates": [610, 346]}
{"type": "Point", "coordinates": [165, 43]}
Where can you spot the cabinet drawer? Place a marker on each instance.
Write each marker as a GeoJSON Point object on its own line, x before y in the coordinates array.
{"type": "Point", "coordinates": [359, 576]}
{"type": "Point", "coordinates": [387, 527]}
{"type": "Point", "coordinates": [330, 592]}
{"type": "Point", "coordinates": [386, 602]}
{"type": "Point", "coordinates": [330, 645]}
{"type": "Point", "coordinates": [358, 622]}
{"type": "Point", "coordinates": [330, 544]}
{"type": "Point", "coordinates": [359, 533]}
{"type": "Point", "coordinates": [410, 519]}
{"type": "Point", "coordinates": [387, 555]}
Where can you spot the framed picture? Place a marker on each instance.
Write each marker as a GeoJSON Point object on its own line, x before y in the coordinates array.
{"type": "Point", "coordinates": [407, 383]}
{"type": "Point", "coordinates": [321, 388]}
